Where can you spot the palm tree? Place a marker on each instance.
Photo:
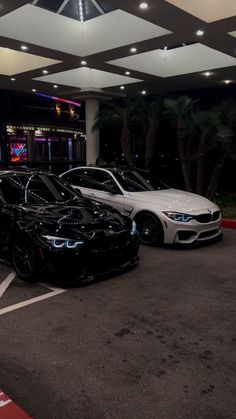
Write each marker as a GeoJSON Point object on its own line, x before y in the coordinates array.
{"type": "Point", "coordinates": [154, 113]}
{"type": "Point", "coordinates": [205, 126]}
{"type": "Point", "coordinates": [182, 109]}
{"type": "Point", "coordinates": [226, 146]}
{"type": "Point", "coordinates": [123, 117]}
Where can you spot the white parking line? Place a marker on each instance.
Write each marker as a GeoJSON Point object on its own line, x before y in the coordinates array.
{"type": "Point", "coordinates": [6, 282]}
{"type": "Point", "coordinates": [31, 301]}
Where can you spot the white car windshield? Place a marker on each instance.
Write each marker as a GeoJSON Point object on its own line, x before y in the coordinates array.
{"type": "Point", "coordinates": [138, 181]}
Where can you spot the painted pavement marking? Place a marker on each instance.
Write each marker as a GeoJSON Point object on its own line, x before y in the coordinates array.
{"type": "Point", "coordinates": [7, 282]}
{"type": "Point", "coordinates": [9, 410]}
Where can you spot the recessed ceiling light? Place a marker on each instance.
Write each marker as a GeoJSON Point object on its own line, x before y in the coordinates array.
{"type": "Point", "coordinates": [34, 90]}
{"type": "Point", "coordinates": [55, 86]}
{"type": "Point", "coordinates": [227, 81]}
{"type": "Point", "coordinates": [13, 79]}
{"type": "Point", "coordinates": [83, 62]}
{"type": "Point", "coordinates": [200, 32]}
{"type": "Point", "coordinates": [24, 47]}
{"type": "Point", "coordinates": [122, 87]}
{"type": "Point", "coordinates": [45, 71]}
{"type": "Point", "coordinates": [143, 5]}
{"type": "Point", "coordinates": [127, 73]}
{"type": "Point", "coordinates": [133, 50]}
{"type": "Point", "coordinates": [207, 73]}
{"type": "Point", "coordinates": [143, 92]}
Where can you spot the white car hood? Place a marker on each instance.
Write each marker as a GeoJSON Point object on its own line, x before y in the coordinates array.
{"type": "Point", "coordinates": [174, 200]}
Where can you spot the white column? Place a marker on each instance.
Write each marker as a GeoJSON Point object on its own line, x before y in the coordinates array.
{"type": "Point", "coordinates": [92, 138]}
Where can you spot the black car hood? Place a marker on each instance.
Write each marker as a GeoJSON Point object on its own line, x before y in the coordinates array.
{"type": "Point", "coordinates": [80, 218]}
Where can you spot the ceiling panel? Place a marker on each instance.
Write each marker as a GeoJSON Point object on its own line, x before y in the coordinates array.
{"type": "Point", "coordinates": [183, 60]}
{"type": "Point", "coordinates": [87, 78]}
{"type": "Point", "coordinates": [108, 31]}
{"type": "Point", "coordinates": [207, 10]}
{"type": "Point", "coordinates": [14, 62]}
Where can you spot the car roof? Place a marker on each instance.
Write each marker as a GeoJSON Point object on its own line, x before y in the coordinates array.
{"type": "Point", "coordinates": [110, 168]}
{"type": "Point", "coordinates": [24, 171]}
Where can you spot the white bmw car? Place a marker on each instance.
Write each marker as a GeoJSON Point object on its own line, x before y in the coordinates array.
{"type": "Point", "coordinates": [162, 214]}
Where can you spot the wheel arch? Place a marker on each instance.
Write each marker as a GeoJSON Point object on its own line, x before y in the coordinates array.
{"type": "Point", "coordinates": [148, 211]}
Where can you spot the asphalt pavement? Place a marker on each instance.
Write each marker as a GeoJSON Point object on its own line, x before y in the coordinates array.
{"type": "Point", "coordinates": [158, 342]}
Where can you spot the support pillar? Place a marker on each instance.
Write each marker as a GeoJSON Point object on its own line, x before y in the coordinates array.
{"type": "Point", "coordinates": [92, 138]}
{"type": "Point", "coordinates": [31, 147]}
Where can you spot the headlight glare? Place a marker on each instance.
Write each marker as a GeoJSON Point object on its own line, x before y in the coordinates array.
{"type": "Point", "coordinates": [177, 216]}
{"type": "Point", "coordinates": [62, 243]}
{"type": "Point", "coordinates": [133, 230]}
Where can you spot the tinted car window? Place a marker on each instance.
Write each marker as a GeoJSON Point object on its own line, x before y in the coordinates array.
{"type": "Point", "coordinates": [135, 181]}
{"type": "Point", "coordinates": [35, 189]}
{"type": "Point", "coordinates": [103, 179]}
{"type": "Point", "coordinates": [81, 178]}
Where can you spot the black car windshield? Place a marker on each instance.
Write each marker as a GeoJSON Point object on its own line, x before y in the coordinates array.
{"type": "Point", "coordinates": [138, 181]}
{"type": "Point", "coordinates": [35, 189]}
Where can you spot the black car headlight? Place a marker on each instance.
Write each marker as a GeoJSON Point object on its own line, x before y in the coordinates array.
{"type": "Point", "coordinates": [133, 230]}
{"type": "Point", "coordinates": [178, 216]}
{"type": "Point", "coordinates": [62, 243]}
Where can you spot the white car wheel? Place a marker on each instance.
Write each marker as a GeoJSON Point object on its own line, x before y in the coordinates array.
{"type": "Point", "coordinates": [149, 228]}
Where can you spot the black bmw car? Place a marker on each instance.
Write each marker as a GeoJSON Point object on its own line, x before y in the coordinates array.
{"type": "Point", "coordinates": [48, 228]}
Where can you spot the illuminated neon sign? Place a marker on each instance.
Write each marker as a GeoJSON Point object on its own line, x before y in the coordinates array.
{"type": "Point", "coordinates": [18, 152]}
{"type": "Point", "coordinates": [58, 99]}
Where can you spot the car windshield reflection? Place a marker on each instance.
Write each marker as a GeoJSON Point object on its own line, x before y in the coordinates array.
{"type": "Point", "coordinates": [36, 190]}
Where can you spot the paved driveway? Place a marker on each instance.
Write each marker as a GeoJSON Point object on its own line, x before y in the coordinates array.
{"type": "Point", "coordinates": [158, 342]}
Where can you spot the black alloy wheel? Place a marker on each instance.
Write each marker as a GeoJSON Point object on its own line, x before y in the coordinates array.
{"type": "Point", "coordinates": [150, 229]}
{"type": "Point", "coordinates": [25, 259]}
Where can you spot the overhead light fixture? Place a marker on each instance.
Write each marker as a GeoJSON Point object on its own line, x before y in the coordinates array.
{"type": "Point", "coordinates": [143, 5]}
{"type": "Point", "coordinates": [227, 81]}
{"type": "Point", "coordinates": [23, 47]}
{"type": "Point", "coordinates": [55, 86]}
{"type": "Point", "coordinates": [34, 90]}
{"type": "Point", "coordinates": [81, 12]}
{"type": "Point", "coordinates": [45, 71]}
{"type": "Point", "coordinates": [13, 79]}
{"type": "Point", "coordinates": [127, 73]}
{"type": "Point", "coordinates": [122, 87]}
{"type": "Point", "coordinates": [143, 92]}
{"type": "Point", "coordinates": [200, 32]}
{"type": "Point", "coordinates": [207, 73]}
{"type": "Point", "coordinates": [133, 50]}
{"type": "Point", "coordinates": [83, 62]}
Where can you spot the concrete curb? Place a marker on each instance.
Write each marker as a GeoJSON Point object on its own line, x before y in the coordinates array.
{"type": "Point", "coordinates": [227, 223]}
{"type": "Point", "coordinates": [9, 410]}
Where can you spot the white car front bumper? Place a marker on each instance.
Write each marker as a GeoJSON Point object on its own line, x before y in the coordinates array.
{"type": "Point", "coordinates": [191, 232]}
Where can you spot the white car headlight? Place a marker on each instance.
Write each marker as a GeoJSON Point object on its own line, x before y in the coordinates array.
{"type": "Point", "coordinates": [133, 230]}
{"type": "Point", "coordinates": [61, 243]}
{"type": "Point", "coordinates": [178, 216]}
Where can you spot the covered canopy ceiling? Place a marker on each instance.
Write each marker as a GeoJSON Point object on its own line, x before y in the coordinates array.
{"type": "Point", "coordinates": [78, 48]}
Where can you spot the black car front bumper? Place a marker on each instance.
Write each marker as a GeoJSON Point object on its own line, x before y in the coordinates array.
{"type": "Point", "coordinates": [91, 262]}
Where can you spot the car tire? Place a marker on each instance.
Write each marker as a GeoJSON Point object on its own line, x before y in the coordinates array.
{"type": "Point", "coordinates": [25, 259]}
{"type": "Point", "coordinates": [149, 228]}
